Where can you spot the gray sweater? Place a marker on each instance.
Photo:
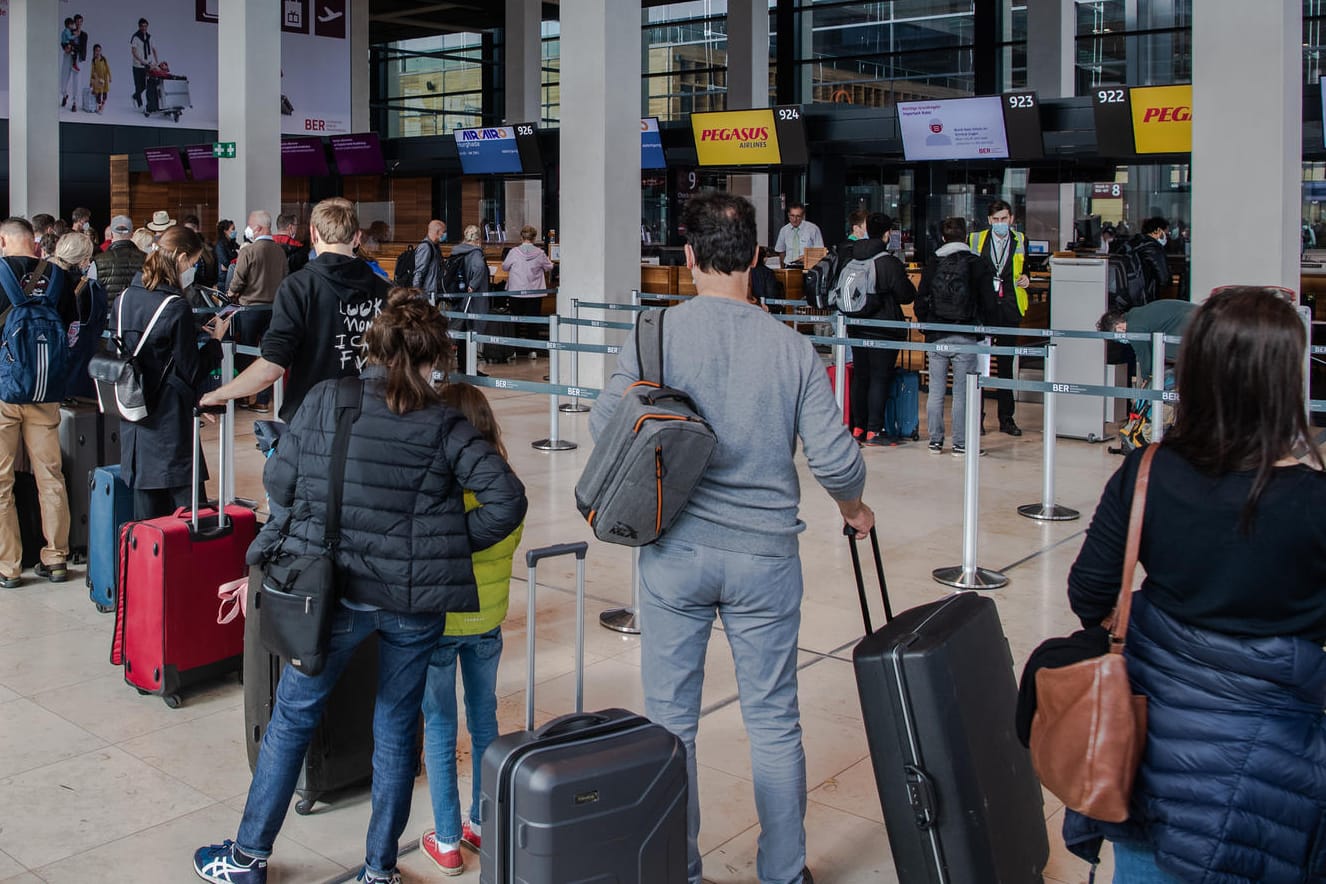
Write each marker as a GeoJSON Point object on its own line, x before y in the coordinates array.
{"type": "Point", "coordinates": [761, 385]}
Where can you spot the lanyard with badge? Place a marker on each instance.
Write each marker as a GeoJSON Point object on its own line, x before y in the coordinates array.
{"type": "Point", "coordinates": [1000, 257]}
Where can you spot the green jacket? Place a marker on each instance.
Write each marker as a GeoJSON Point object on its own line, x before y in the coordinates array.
{"type": "Point", "coordinates": [492, 573]}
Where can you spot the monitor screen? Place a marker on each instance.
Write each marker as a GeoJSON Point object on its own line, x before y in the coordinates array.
{"type": "Point", "coordinates": [359, 154]}
{"type": "Point", "coordinates": [202, 165]}
{"type": "Point", "coordinates": [1038, 247]}
{"type": "Point", "coordinates": [651, 145]}
{"type": "Point", "coordinates": [499, 150]}
{"type": "Point", "coordinates": [1162, 118]}
{"type": "Point", "coordinates": [165, 164]}
{"type": "Point", "coordinates": [953, 129]}
{"type": "Point", "coordinates": [1022, 124]}
{"type": "Point", "coordinates": [774, 136]}
{"type": "Point", "coordinates": [303, 156]}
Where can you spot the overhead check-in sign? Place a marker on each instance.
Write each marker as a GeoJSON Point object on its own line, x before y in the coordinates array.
{"type": "Point", "coordinates": [736, 138]}
{"type": "Point", "coordinates": [1162, 119]}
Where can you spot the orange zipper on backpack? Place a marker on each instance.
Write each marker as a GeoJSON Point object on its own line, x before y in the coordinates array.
{"type": "Point", "coordinates": [658, 478]}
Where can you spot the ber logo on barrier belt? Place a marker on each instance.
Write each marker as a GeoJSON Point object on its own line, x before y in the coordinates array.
{"type": "Point", "coordinates": [736, 138]}
{"type": "Point", "coordinates": [1162, 119]}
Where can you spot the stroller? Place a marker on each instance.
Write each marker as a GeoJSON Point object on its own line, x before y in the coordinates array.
{"type": "Point", "coordinates": [167, 93]}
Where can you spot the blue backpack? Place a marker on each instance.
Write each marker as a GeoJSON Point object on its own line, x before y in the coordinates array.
{"type": "Point", "coordinates": [34, 347]}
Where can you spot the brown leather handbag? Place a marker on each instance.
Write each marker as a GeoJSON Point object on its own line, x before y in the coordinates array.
{"type": "Point", "coordinates": [1089, 729]}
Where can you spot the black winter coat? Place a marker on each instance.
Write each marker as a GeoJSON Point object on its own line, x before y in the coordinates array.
{"type": "Point", "coordinates": [1155, 266]}
{"type": "Point", "coordinates": [892, 289]}
{"type": "Point", "coordinates": [406, 539]}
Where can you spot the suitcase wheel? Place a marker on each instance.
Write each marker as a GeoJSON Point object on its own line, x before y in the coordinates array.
{"type": "Point", "coordinates": [172, 701]}
{"type": "Point", "coordinates": [304, 806]}
{"type": "Point", "coordinates": [916, 435]}
{"type": "Point", "coordinates": [142, 693]}
{"type": "Point", "coordinates": [110, 609]}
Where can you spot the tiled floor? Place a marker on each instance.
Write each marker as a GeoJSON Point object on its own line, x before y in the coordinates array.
{"type": "Point", "coordinates": [98, 783]}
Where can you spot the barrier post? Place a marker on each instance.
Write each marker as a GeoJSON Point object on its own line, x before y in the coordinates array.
{"type": "Point", "coordinates": [553, 442]}
{"type": "Point", "coordinates": [624, 620]}
{"type": "Point", "coordinates": [1158, 384]}
{"type": "Point", "coordinates": [840, 362]}
{"type": "Point", "coordinates": [968, 575]}
{"type": "Point", "coordinates": [1305, 313]}
{"type": "Point", "coordinates": [575, 406]}
{"type": "Point", "coordinates": [1047, 510]}
{"type": "Point", "coordinates": [278, 395]}
{"type": "Point", "coordinates": [228, 469]}
{"type": "Point", "coordinates": [471, 354]}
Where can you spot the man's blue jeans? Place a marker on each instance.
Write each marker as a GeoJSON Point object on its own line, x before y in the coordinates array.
{"type": "Point", "coordinates": [1136, 864]}
{"type": "Point", "coordinates": [682, 587]}
{"type": "Point", "coordinates": [406, 642]}
{"type": "Point", "coordinates": [478, 656]}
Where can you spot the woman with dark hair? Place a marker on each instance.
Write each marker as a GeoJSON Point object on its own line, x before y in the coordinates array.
{"type": "Point", "coordinates": [156, 453]}
{"type": "Point", "coordinates": [403, 561]}
{"type": "Point", "coordinates": [225, 250]}
{"type": "Point", "coordinates": [1227, 632]}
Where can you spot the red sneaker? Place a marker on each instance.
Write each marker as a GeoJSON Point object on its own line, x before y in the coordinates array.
{"type": "Point", "coordinates": [469, 837]}
{"type": "Point", "coordinates": [449, 861]}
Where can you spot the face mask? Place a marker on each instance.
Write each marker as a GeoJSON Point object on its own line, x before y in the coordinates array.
{"type": "Point", "coordinates": [248, 233]}
{"type": "Point", "coordinates": [442, 238]}
{"type": "Point", "coordinates": [233, 233]}
{"type": "Point", "coordinates": [1162, 239]}
{"type": "Point", "coordinates": [186, 278]}
{"type": "Point", "coordinates": [1000, 228]}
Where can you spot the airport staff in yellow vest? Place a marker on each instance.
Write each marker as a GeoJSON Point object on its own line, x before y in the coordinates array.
{"type": "Point", "coordinates": [1006, 249]}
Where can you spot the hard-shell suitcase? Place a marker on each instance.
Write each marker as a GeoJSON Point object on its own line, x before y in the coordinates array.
{"type": "Point", "coordinates": [88, 103]}
{"type": "Point", "coordinates": [961, 802]}
{"type": "Point", "coordinates": [586, 797]}
{"type": "Point", "coordinates": [166, 631]}
{"type": "Point", "coordinates": [847, 389]}
{"type": "Point", "coordinates": [902, 410]}
{"type": "Point", "coordinates": [88, 439]}
{"type": "Point", "coordinates": [340, 753]}
{"type": "Point", "coordinates": [111, 506]}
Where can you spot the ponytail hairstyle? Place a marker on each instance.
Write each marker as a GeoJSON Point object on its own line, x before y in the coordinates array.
{"type": "Point", "coordinates": [470, 401]}
{"type": "Point", "coordinates": [409, 335]}
{"type": "Point", "coordinates": [161, 266]}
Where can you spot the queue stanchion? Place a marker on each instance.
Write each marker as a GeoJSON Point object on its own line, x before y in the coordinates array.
{"type": "Point", "coordinates": [575, 406]}
{"type": "Point", "coordinates": [626, 620]}
{"type": "Point", "coordinates": [1305, 313]}
{"type": "Point", "coordinates": [278, 395]}
{"type": "Point", "coordinates": [553, 442]}
{"type": "Point", "coordinates": [1158, 384]}
{"type": "Point", "coordinates": [228, 468]}
{"type": "Point", "coordinates": [968, 575]}
{"type": "Point", "coordinates": [471, 354]}
{"type": "Point", "coordinates": [840, 362]}
{"type": "Point", "coordinates": [1047, 510]}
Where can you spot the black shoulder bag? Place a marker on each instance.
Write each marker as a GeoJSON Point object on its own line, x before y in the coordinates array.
{"type": "Point", "coordinates": [299, 593]}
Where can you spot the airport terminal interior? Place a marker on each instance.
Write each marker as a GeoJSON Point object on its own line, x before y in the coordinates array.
{"type": "Point", "coordinates": [1089, 119]}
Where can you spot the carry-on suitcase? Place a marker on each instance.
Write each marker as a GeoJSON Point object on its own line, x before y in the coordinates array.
{"type": "Point", "coordinates": [166, 631]}
{"type": "Point", "coordinates": [902, 410]}
{"type": "Point", "coordinates": [586, 797]}
{"type": "Point", "coordinates": [961, 802]}
{"type": "Point", "coordinates": [340, 753]}
{"type": "Point", "coordinates": [112, 505]}
{"type": "Point", "coordinates": [88, 439]}
{"type": "Point", "coordinates": [89, 101]}
{"type": "Point", "coordinates": [847, 389]}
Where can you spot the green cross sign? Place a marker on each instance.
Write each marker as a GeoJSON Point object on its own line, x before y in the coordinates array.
{"type": "Point", "coordinates": [223, 149]}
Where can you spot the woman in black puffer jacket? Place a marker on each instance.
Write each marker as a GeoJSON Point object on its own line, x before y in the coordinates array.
{"type": "Point", "coordinates": [403, 561]}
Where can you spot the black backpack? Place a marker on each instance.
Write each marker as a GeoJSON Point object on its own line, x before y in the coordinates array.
{"type": "Point", "coordinates": [404, 275]}
{"type": "Point", "coordinates": [818, 281]}
{"type": "Point", "coordinates": [1127, 279]}
{"type": "Point", "coordinates": [951, 297]}
{"type": "Point", "coordinates": [452, 280]}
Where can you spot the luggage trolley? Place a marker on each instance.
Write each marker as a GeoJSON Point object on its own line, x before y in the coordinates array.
{"type": "Point", "coordinates": [167, 93]}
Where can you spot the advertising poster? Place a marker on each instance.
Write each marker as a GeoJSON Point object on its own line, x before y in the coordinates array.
{"type": "Point", "coordinates": [114, 70]}
{"type": "Point", "coordinates": [651, 145]}
{"type": "Point", "coordinates": [953, 129]}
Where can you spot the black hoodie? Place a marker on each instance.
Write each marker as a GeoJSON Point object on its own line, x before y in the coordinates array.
{"type": "Point", "coordinates": [318, 322]}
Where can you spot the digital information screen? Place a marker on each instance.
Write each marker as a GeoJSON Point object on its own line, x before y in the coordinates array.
{"type": "Point", "coordinates": [303, 156]}
{"type": "Point", "coordinates": [1162, 118]}
{"type": "Point", "coordinates": [499, 150]}
{"type": "Point", "coordinates": [359, 154]}
{"type": "Point", "coordinates": [165, 164]}
{"type": "Point", "coordinates": [651, 145]}
{"type": "Point", "coordinates": [1022, 125]}
{"type": "Point", "coordinates": [202, 165]}
{"type": "Point", "coordinates": [774, 136]}
{"type": "Point", "coordinates": [1114, 121]}
{"type": "Point", "coordinates": [953, 129]}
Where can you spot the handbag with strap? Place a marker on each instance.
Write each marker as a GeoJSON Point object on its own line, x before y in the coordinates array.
{"type": "Point", "coordinates": [1089, 730]}
{"type": "Point", "coordinates": [299, 592]}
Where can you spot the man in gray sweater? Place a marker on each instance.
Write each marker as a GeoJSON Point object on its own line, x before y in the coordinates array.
{"type": "Point", "coordinates": [734, 549]}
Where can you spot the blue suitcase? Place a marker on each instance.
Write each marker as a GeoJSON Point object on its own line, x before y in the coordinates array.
{"type": "Point", "coordinates": [902, 411]}
{"type": "Point", "coordinates": [111, 505]}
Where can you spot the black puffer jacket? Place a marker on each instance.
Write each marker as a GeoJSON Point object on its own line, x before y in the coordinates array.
{"type": "Point", "coordinates": [406, 539]}
{"type": "Point", "coordinates": [892, 290]}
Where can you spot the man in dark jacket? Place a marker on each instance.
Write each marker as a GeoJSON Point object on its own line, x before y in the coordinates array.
{"type": "Point", "coordinates": [116, 267]}
{"type": "Point", "coordinates": [319, 315]}
{"type": "Point", "coordinates": [427, 275]}
{"type": "Point", "coordinates": [1149, 246]}
{"type": "Point", "coordinates": [872, 369]}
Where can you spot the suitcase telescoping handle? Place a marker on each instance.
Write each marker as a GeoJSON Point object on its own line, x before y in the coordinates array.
{"type": "Point", "coordinates": [532, 558]}
{"type": "Point", "coordinates": [223, 431]}
{"type": "Point", "coordinates": [850, 533]}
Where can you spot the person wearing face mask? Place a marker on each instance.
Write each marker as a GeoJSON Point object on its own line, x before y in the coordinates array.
{"type": "Point", "coordinates": [1149, 246]}
{"type": "Point", "coordinates": [1006, 250]}
{"type": "Point", "coordinates": [258, 272]}
{"type": "Point", "coordinates": [73, 253]}
{"type": "Point", "coordinates": [156, 453]}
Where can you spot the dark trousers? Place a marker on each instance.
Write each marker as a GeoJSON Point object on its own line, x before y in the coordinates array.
{"type": "Point", "coordinates": [1003, 367]}
{"type": "Point", "coordinates": [872, 372]}
{"type": "Point", "coordinates": [247, 328]}
{"type": "Point", "coordinates": [140, 83]}
{"type": "Point", "coordinates": [153, 503]}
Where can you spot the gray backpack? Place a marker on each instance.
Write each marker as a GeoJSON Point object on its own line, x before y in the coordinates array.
{"type": "Point", "coordinates": [856, 282]}
{"type": "Point", "coordinates": [648, 460]}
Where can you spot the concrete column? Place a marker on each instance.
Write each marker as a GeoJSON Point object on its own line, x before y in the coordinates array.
{"type": "Point", "coordinates": [249, 51]}
{"type": "Point", "coordinates": [34, 108]}
{"type": "Point", "coordinates": [748, 87]}
{"type": "Point", "coordinates": [524, 103]}
{"type": "Point", "coordinates": [359, 60]}
{"type": "Point", "coordinates": [1265, 159]}
{"type": "Point", "coordinates": [600, 149]}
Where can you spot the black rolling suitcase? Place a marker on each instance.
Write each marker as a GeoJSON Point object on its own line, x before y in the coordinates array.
{"type": "Point", "coordinates": [88, 439]}
{"type": "Point", "coordinates": [340, 754]}
{"type": "Point", "coordinates": [597, 796]}
{"type": "Point", "coordinates": [961, 802]}
{"type": "Point", "coordinates": [28, 506]}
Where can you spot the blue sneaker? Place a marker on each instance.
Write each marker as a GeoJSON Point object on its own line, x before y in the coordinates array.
{"type": "Point", "coordinates": [378, 877]}
{"type": "Point", "coordinates": [217, 863]}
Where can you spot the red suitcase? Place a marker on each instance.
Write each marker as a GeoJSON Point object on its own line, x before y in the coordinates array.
{"type": "Point", "coordinates": [166, 631]}
{"type": "Point", "coordinates": [847, 390]}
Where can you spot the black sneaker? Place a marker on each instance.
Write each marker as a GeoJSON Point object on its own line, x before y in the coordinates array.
{"type": "Point", "coordinates": [961, 451]}
{"type": "Point", "coordinates": [936, 448]}
{"type": "Point", "coordinates": [56, 573]}
{"type": "Point", "coordinates": [1009, 428]}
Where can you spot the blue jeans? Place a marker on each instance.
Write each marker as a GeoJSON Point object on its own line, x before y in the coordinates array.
{"type": "Point", "coordinates": [1135, 863]}
{"type": "Point", "coordinates": [478, 655]}
{"type": "Point", "coordinates": [682, 586]}
{"type": "Point", "coordinates": [963, 365]}
{"type": "Point", "coordinates": [407, 640]}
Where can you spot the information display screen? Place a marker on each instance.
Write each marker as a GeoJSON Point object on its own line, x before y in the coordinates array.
{"type": "Point", "coordinates": [359, 154]}
{"type": "Point", "coordinates": [1114, 121]}
{"type": "Point", "coordinates": [303, 156]}
{"type": "Point", "coordinates": [953, 129]}
{"type": "Point", "coordinates": [651, 145]}
{"type": "Point", "coordinates": [1022, 125]}
{"type": "Point", "coordinates": [774, 136]}
{"type": "Point", "coordinates": [202, 165]}
{"type": "Point", "coordinates": [1161, 118]}
{"type": "Point", "coordinates": [165, 164]}
{"type": "Point", "coordinates": [499, 150]}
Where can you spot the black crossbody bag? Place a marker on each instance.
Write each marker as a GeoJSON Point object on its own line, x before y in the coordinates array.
{"type": "Point", "coordinates": [299, 593]}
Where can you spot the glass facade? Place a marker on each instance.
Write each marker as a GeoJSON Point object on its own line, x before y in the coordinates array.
{"type": "Point", "coordinates": [1133, 43]}
{"type": "Point", "coordinates": [432, 85]}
